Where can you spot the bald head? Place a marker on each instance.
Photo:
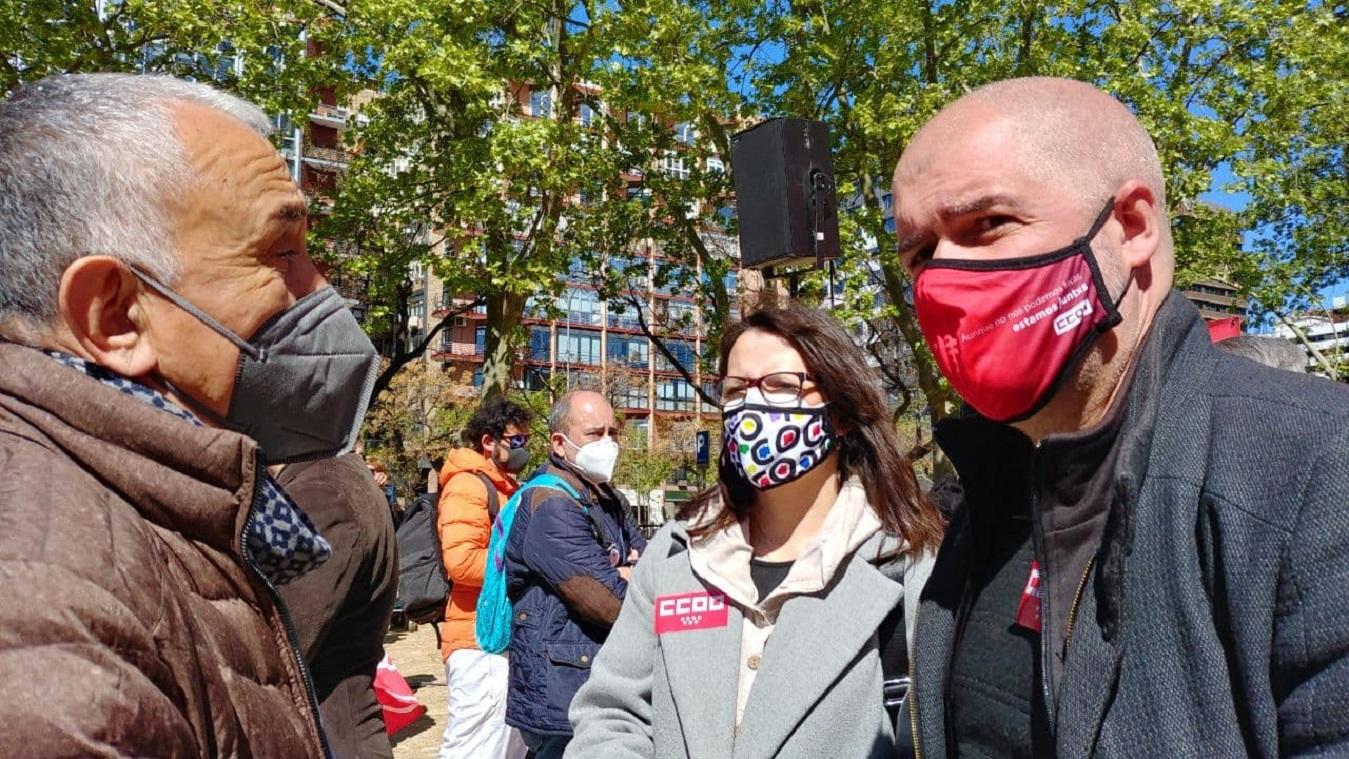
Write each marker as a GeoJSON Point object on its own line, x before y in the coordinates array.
{"type": "Point", "coordinates": [577, 418]}
{"type": "Point", "coordinates": [1022, 168]}
{"type": "Point", "coordinates": [1067, 133]}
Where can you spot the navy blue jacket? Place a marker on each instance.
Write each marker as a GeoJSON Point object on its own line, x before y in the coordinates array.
{"type": "Point", "coordinates": [553, 541]}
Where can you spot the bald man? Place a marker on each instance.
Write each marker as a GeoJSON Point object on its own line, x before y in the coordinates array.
{"type": "Point", "coordinates": [567, 565]}
{"type": "Point", "coordinates": [1152, 554]}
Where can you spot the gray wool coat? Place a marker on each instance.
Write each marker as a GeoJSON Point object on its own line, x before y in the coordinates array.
{"type": "Point", "coordinates": [817, 692]}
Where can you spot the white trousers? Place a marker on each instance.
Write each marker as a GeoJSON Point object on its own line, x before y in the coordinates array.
{"type": "Point", "coordinates": [477, 728]}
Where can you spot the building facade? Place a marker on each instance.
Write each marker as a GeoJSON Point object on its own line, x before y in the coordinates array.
{"type": "Point", "coordinates": [1324, 332]}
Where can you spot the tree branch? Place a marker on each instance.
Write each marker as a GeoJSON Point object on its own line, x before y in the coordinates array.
{"type": "Point", "coordinates": [660, 346]}
{"type": "Point", "coordinates": [402, 357]}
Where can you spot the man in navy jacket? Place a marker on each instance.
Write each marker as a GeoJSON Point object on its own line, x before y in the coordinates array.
{"type": "Point", "coordinates": [567, 566]}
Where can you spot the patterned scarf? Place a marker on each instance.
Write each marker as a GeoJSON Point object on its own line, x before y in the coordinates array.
{"type": "Point", "coordinates": [281, 539]}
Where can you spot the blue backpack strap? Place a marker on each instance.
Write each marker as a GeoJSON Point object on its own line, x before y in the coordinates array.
{"type": "Point", "coordinates": [550, 480]}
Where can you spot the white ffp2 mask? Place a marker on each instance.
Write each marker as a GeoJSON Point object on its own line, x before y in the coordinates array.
{"type": "Point", "coordinates": [596, 459]}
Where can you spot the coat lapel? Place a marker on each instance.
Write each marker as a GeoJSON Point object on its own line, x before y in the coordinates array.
{"type": "Point", "coordinates": [815, 640]}
{"type": "Point", "coordinates": [699, 664]}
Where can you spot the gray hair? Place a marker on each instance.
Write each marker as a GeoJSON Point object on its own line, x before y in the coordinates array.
{"type": "Point", "coordinates": [1270, 351]}
{"type": "Point", "coordinates": [87, 163]}
{"type": "Point", "coordinates": [560, 414]}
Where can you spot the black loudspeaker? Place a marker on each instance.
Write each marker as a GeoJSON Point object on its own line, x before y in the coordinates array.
{"type": "Point", "coordinates": [784, 193]}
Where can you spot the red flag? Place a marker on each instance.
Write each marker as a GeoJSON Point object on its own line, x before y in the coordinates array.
{"type": "Point", "coordinates": [401, 707]}
{"type": "Point", "coordinates": [1221, 329]}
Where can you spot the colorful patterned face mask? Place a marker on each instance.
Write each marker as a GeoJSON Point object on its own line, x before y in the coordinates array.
{"type": "Point", "coordinates": [772, 446]}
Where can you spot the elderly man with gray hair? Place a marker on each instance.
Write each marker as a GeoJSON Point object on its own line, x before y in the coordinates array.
{"type": "Point", "coordinates": [165, 337]}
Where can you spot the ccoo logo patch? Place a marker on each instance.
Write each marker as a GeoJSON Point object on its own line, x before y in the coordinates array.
{"type": "Point", "coordinates": [699, 610]}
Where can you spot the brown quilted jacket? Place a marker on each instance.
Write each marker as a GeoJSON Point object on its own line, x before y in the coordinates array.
{"type": "Point", "coordinates": [129, 623]}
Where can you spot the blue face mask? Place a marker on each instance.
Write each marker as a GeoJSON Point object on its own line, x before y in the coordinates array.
{"type": "Point", "coordinates": [304, 379]}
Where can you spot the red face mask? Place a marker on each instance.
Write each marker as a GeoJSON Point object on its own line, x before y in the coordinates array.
{"type": "Point", "coordinates": [1007, 332]}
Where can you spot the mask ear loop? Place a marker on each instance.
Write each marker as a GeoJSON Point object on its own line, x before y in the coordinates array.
{"type": "Point", "coordinates": [250, 350]}
{"type": "Point", "coordinates": [1083, 243]}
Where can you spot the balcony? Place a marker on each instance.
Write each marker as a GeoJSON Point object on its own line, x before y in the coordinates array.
{"type": "Point", "coordinates": [329, 116]}
{"type": "Point", "coordinates": [460, 352]}
{"type": "Point", "coordinates": [330, 159]}
{"type": "Point", "coordinates": [457, 304]}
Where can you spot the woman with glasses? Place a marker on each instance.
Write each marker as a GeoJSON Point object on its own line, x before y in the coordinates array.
{"type": "Point", "coordinates": [755, 623]}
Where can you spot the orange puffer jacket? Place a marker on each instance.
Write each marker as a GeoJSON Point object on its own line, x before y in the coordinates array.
{"type": "Point", "coordinates": [464, 529]}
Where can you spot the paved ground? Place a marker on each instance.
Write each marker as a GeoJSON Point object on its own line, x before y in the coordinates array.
{"type": "Point", "coordinates": [418, 660]}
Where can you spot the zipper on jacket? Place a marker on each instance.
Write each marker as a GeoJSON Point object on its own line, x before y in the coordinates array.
{"type": "Point", "coordinates": [1038, 538]}
{"type": "Point", "coordinates": [1077, 599]}
{"type": "Point", "coordinates": [913, 691]}
{"type": "Point", "coordinates": [292, 637]}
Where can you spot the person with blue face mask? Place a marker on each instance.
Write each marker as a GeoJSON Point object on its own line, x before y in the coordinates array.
{"type": "Point", "coordinates": [767, 619]}
{"type": "Point", "coordinates": [165, 338]}
{"type": "Point", "coordinates": [568, 559]}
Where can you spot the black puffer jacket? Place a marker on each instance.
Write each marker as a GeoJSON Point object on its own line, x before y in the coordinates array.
{"type": "Point", "coordinates": [1215, 620]}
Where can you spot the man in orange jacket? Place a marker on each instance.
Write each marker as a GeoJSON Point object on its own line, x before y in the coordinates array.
{"type": "Point", "coordinates": [495, 453]}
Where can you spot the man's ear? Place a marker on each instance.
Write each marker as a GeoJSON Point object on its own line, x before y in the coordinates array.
{"type": "Point", "coordinates": [99, 303]}
{"type": "Point", "coordinates": [485, 443]}
{"type": "Point", "coordinates": [1141, 221]}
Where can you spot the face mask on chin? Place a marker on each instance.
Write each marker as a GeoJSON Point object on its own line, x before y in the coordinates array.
{"type": "Point", "coordinates": [595, 459]}
{"type": "Point", "coordinates": [304, 378]}
{"type": "Point", "coordinates": [1008, 332]}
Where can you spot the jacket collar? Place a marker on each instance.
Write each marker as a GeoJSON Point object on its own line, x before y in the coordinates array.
{"type": "Point", "coordinates": [817, 636]}
{"type": "Point", "coordinates": [195, 481]}
{"type": "Point", "coordinates": [722, 558]}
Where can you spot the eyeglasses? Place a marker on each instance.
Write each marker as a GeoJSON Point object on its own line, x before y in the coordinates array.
{"type": "Point", "coordinates": [778, 388]}
{"type": "Point", "coordinates": [516, 441]}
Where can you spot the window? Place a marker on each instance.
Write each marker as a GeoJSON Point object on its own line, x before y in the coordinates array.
{"type": "Point", "coordinates": [480, 341]}
{"type": "Point", "coordinates": [578, 347]}
{"type": "Point", "coordinates": [681, 350]}
{"type": "Point", "coordinates": [587, 115]}
{"type": "Point", "coordinates": [625, 319]}
{"type": "Point", "coordinates": [673, 164]}
{"type": "Point", "coordinates": [285, 130]}
{"type": "Point", "coordinates": [477, 376]}
{"type": "Point", "coordinates": [417, 307]}
{"type": "Point", "coordinates": [634, 395]}
{"type": "Point", "coordinates": [580, 307]}
{"type": "Point", "coordinates": [715, 165]}
{"type": "Point", "coordinates": [679, 315]}
{"type": "Point", "coordinates": [536, 378]}
{"type": "Point", "coordinates": [629, 351]}
{"type": "Point", "coordinates": [539, 343]}
{"type": "Point", "coordinates": [674, 395]}
{"type": "Point", "coordinates": [541, 103]}
{"type": "Point", "coordinates": [685, 133]}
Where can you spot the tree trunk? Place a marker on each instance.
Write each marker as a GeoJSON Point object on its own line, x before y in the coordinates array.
{"type": "Point", "coordinates": [504, 314]}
